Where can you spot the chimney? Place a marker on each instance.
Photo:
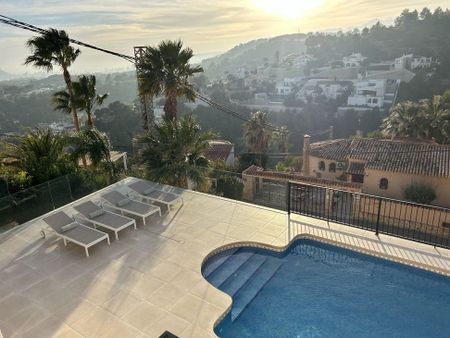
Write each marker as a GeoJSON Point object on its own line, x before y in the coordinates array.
{"type": "Point", "coordinates": [306, 151]}
{"type": "Point", "coordinates": [331, 132]}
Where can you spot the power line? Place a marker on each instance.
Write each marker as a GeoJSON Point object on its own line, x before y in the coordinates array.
{"type": "Point", "coordinates": [32, 28]}
{"type": "Point", "coordinates": [23, 25]}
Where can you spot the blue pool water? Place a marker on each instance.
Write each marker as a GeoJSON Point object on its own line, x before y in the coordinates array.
{"type": "Point", "coordinates": [317, 290]}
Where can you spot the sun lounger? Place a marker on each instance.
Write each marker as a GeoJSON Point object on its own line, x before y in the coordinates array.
{"type": "Point", "coordinates": [72, 231]}
{"type": "Point", "coordinates": [147, 192]}
{"type": "Point", "coordinates": [124, 204]}
{"type": "Point", "coordinates": [94, 214]}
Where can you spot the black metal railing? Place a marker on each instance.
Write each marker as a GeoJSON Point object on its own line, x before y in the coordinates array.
{"type": "Point", "coordinates": [418, 222]}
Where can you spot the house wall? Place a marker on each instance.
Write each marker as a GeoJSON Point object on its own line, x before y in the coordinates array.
{"type": "Point", "coordinates": [399, 181]}
{"type": "Point", "coordinates": [326, 174]}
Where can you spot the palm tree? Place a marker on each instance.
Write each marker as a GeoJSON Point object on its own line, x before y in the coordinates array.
{"type": "Point", "coordinates": [41, 154]}
{"type": "Point", "coordinates": [173, 153]}
{"type": "Point", "coordinates": [429, 119]}
{"type": "Point", "coordinates": [95, 145]}
{"type": "Point", "coordinates": [437, 117]}
{"type": "Point", "coordinates": [52, 48]}
{"type": "Point", "coordinates": [405, 120]}
{"type": "Point", "coordinates": [281, 137]}
{"type": "Point", "coordinates": [85, 98]}
{"type": "Point", "coordinates": [257, 135]}
{"type": "Point", "coordinates": [166, 70]}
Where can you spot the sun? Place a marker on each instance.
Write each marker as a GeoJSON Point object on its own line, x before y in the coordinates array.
{"type": "Point", "coordinates": [289, 9]}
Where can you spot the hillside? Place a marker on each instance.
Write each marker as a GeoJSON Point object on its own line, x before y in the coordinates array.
{"type": "Point", "coordinates": [253, 54]}
{"type": "Point", "coordinates": [4, 75]}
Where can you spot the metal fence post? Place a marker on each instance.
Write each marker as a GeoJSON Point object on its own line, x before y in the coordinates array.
{"type": "Point", "coordinates": [288, 197]}
{"type": "Point", "coordinates": [378, 217]}
{"type": "Point", "coordinates": [70, 188]}
{"type": "Point", "coordinates": [51, 195]}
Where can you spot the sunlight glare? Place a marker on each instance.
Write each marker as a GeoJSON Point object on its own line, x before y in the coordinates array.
{"type": "Point", "coordinates": [290, 9]}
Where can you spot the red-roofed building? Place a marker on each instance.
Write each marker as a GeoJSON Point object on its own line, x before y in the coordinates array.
{"type": "Point", "coordinates": [383, 167]}
{"type": "Point", "coordinates": [220, 150]}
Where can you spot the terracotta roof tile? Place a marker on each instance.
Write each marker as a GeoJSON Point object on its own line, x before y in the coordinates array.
{"type": "Point", "coordinates": [406, 156]}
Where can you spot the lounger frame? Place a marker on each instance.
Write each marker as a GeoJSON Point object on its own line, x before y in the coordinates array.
{"type": "Point", "coordinates": [86, 247]}
{"type": "Point", "coordinates": [124, 210]}
{"type": "Point", "coordinates": [132, 222]}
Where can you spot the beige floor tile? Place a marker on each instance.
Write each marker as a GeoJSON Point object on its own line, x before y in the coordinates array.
{"type": "Point", "coordinates": [75, 310]}
{"type": "Point", "coordinates": [169, 322]}
{"type": "Point", "coordinates": [96, 323]}
{"type": "Point", "coordinates": [143, 315]}
{"type": "Point", "coordinates": [211, 295]}
{"type": "Point", "coordinates": [24, 320]}
{"type": "Point", "coordinates": [100, 292]}
{"type": "Point", "coordinates": [12, 305]}
{"type": "Point", "coordinates": [188, 307]}
{"type": "Point", "coordinates": [166, 296]}
{"type": "Point", "coordinates": [187, 279]}
{"type": "Point", "coordinates": [14, 271]}
{"type": "Point", "coordinates": [122, 303]}
{"type": "Point", "coordinates": [165, 271]}
{"type": "Point", "coordinates": [146, 286]}
{"type": "Point", "coordinates": [25, 281]}
{"type": "Point", "coordinates": [41, 289]}
{"type": "Point", "coordinates": [196, 332]}
{"type": "Point", "coordinates": [50, 327]}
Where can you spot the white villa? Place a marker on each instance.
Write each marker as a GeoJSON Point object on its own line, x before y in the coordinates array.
{"type": "Point", "coordinates": [411, 61]}
{"type": "Point", "coordinates": [369, 93]}
{"type": "Point", "coordinates": [322, 87]}
{"type": "Point", "coordinates": [353, 61]}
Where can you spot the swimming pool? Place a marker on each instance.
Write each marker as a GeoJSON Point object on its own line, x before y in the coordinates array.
{"type": "Point", "coordinates": [318, 290]}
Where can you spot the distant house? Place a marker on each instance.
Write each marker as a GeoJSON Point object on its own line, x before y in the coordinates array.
{"type": "Point", "coordinates": [220, 150]}
{"type": "Point", "coordinates": [353, 61]}
{"type": "Point", "coordinates": [287, 85]}
{"type": "Point", "coordinates": [382, 167]}
{"type": "Point", "coordinates": [411, 61]}
{"type": "Point", "coordinates": [329, 89]}
{"type": "Point", "coordinates": [368, 93]}
{"type": "Point", "coordinates": [297, 60]}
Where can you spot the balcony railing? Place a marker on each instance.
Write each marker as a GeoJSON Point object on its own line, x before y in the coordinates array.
{"type": "Point", "coordinates": [417, 222]}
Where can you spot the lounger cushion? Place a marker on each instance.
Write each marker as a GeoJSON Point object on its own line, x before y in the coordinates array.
{"type": "Point", "coordinates": [67, 227]}
{"type": "Point", "coordinates": [123, 202]}
{"type": "Point", "coordinates": [147, 191]}
{"type": "Point", "coordinates": [96, 213]}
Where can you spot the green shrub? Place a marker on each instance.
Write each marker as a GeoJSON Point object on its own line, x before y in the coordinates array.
{"type": "Point", "coordinates": [420, 193]}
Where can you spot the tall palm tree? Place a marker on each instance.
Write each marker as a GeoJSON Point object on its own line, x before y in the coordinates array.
{"type": "Point", "coordinates": [166, 70]}
{"type": "Point", "coordinates": [281, 137]}
{"type": "Point", "coordinates": [41, 154]}
{"type": "Point", "coordinates": [85, 98]}
{"type": "Point", "coordinates": [52, 48]}
{"type": "Point", "coordinates": [173, 153]}
{"type": "Point", "coordinates": [257, 135]}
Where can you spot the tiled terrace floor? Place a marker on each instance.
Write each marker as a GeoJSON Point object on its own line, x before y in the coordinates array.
{"type": "Point", "coordinates": [150, 281]}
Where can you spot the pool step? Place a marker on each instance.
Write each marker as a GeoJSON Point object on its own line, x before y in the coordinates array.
{"type": "Point", "coordinates": [228, 267]}
{"type": "Point", "coordinates": [254, 285]}
{"type": "Point", "coordinates": [217, 261]}
{"type": "Point", "coordinates": [241, 276]}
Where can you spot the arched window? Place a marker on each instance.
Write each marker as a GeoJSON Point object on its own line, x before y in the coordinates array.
{"type": "Point", "coordinates": [332, 168]}
{"type": "Point", "coordinates": [384, 183]}
{"type": "Point", "coordinates": [322, 166]}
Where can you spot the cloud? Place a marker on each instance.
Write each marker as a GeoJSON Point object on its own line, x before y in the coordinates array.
{"type": "Point", "coordinates": [205, 25]}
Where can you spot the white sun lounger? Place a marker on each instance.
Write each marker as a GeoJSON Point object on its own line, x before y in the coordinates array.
{"type": "Point", "coordinates": [118, 201]}
{"type": "Point", "coordinates": [71, 231]}
{"type": "Point", "coordinates": [147, 192]}
{"type": "Point", "coordinates": [91, 212]}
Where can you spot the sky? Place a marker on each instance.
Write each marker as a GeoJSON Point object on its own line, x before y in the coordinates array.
{"type": "Point", "coordinates": [207, 26]}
